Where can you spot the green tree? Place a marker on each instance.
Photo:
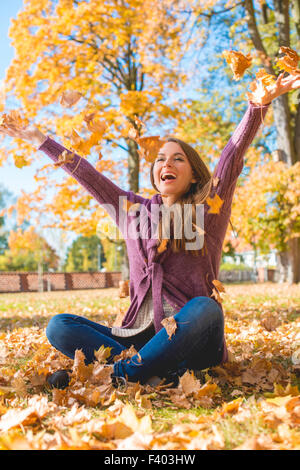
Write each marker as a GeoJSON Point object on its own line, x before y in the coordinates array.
{"type": "Point", "coordinates": [84, 255]}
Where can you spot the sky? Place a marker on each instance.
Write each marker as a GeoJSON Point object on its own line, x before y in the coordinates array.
{"type": "Point", "coordinates": [11, 177]}
{"type": "Point", "coordinates": [14, 179]}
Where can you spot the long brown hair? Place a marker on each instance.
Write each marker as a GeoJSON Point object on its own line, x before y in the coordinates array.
{"type": "Point", "coordinates": [196, 194]}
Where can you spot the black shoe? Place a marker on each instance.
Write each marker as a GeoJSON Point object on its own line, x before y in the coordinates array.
{"type": "Point", "coordinates": [60, 379]}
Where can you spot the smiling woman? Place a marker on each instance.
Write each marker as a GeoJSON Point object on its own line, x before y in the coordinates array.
{"type": "Point", "coordinates": [163, 282]}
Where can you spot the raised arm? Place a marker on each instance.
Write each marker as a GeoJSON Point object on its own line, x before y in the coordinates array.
{"type": "Point", "coordinates": [231, 161]}
{"type": "Point", "coordinates": [99, 186]}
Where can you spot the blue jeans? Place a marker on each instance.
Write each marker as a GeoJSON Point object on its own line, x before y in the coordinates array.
{"type": "Point", "coordinates": [196, 344]}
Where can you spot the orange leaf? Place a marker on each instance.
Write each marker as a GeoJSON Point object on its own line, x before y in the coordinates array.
{"type": "Point", "coordinates": [150, 147]}
{"type": "Point", "coordinates": [238, 62]}
{"type": "Point", "coordinates": [289, 61]}
{"type": "Point", "coordinates": [63, 158]}
{"type": "Point", "coordinates": [170, 325]}
{"type": "Point", "coordinates": [69, 98]}
{"type": "Point", "coordinates": [218, 285]}
{"type": "Point", "coordinates": [266, 78]}
{"type": "Point", "coordinates": [163, 245]}
{"type": "Point", "coordinates": [215, 204]}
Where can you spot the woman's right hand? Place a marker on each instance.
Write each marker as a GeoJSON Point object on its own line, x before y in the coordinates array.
{"type": "Point", "coordinates": [30, 133]}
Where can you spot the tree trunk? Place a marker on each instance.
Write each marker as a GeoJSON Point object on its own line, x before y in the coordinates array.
{"type": "Point", "coordinates": [284, 134]}
{"type": "Point", "coordinates": [288, 145]}
{"type": "Point", "coordinates": [133, 166]}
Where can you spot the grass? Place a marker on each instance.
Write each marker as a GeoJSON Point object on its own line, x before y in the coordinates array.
{"type": "Point", "coordinates": [262, 333]}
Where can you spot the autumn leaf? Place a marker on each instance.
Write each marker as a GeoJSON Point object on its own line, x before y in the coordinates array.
{"type": "Point", "coordinates": [216, 295]}
{"type": "Point", "coordinates": [170, 325]}
{"type": "Point", "coordinates": [20, 161]}
{"type": "Point", "coordinates": [215, 204]}
{"type": "Point", "coordinates": [162, 246]}
{"type": "Point", "coordinates": [216, 181]}
{"type": "Point", "coordinates": [70, 98]}
{"type": "Point", "coordinates": [266, 78]}
{"type": "Point", "coordinates": [218, 284]}
{"type": "Point", "coordinates": [238, 62]}
{"type": "Point", "coordinates": [150, 147]}
{"type": "Point", "coordinates": [2, 96]}
{"type": "Point", "coordinates": [289, 61]}
{"type": "Point", "coordinates": [63, 158]}
{"type": "Point", "coordinates": [231, 407]}
{"type": "Point", "coordinates": [102, 354]}
{"type": "Point", "coordinates": [189, 383]}
{"type": "Point", "coordinates": [13, 120]}
{"type": "Point", "coordinates": [80, 370]}
{"type": "Point", "coordinates": [259, 91]}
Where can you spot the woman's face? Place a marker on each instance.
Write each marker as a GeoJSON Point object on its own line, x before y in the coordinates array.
{"type": "Point", "coordinates": [172, 160]}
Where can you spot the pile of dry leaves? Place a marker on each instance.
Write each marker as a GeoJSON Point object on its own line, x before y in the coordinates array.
{"type": "Point", "coordinates": [251, 402]}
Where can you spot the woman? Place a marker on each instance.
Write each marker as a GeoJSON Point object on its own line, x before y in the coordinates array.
{"type": "Point", "coordinates": [173, 281]}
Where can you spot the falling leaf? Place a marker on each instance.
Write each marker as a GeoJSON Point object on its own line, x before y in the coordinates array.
{"type": "Point", "coordinates": [216, 181]}
{"type": "Point", "coordinates": [259, 91]}
{"type": "Point", "coordinates": [289, 61]}
{"type": "Point", "coordinates": [13, 120]}
{"type": "Point", "coordinates": [102, 354]}
{"type": "Point", "coordinates": [215, 204]}
{"type": "Point", "coordinates": [238, 62]}
{"type": "Point", "coordinates": [2, 96]}
{"type": "Point", "coordinates": [218, 285]}
{"type": "Point", "coordinates": [216, 295]}
{"type": "Point", "coordinates": [63, 158]}
{"type": "Point", "coordinates": [266, 78]}
{"type": "Point", "coordinates": [170, 325]}
{"type": "Point", "coordinates": [20, 161]}
{"type": "Point", "coordinates": [70, 98]}
{"type": "Point", "coordinates": [150, 147]}
{"type": "Point", "coordinates": [95, 126]}
{"type": "Point", "coordinates": [162, 246]}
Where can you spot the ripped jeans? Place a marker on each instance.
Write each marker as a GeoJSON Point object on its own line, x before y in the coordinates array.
{"type": "Point", "coordinates": [197, 343]}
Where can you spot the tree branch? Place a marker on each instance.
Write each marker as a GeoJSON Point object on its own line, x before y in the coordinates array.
{"type": "Point", "coordinates": [255, 36]}
{"type": "Point", "coordinates": [281, 12]}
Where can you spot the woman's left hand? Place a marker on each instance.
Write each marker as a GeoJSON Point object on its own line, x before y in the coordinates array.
{"type": "Point", "coordinates": [269, 93]}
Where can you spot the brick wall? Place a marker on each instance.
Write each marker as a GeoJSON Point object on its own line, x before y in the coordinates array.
{"type": "Point", "coordinates": [31, 282]}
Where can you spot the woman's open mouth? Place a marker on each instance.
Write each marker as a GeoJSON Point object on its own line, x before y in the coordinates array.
{"type": "Point", "coordinates": [168, 178]}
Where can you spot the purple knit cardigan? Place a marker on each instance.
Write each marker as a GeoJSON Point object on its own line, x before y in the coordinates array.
{"type": "Point", "coordinates": [178, 277]}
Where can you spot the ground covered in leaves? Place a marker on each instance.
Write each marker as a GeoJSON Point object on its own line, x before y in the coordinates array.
{"type": "Point", "coordinates": [252, 402]}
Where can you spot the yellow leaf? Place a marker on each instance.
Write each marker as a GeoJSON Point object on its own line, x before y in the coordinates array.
{"type": "Point", "coordinates": [215, 204]}
{"type": "Point", "coordinates": [20, 161]}
{"type": "Point", "coordinates": [69, 98]}
{"type": "Point", "coordinates": [102, 354]}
